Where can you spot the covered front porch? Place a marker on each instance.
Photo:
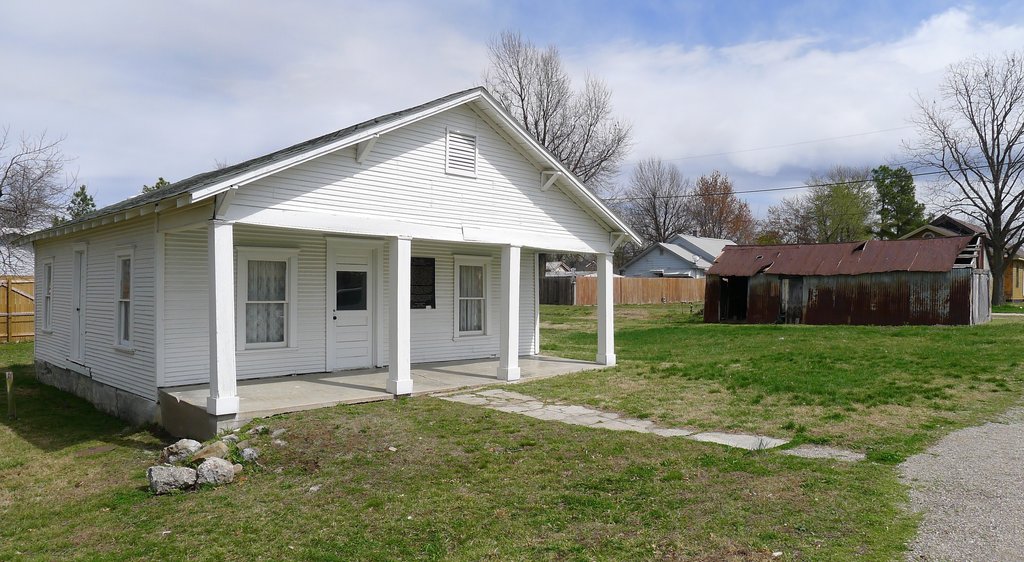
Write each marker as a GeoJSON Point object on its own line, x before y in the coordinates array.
{"type": "Point", "coordinates": [184, 408]}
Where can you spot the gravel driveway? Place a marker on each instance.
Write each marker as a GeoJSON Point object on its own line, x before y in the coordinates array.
{"type": "Point", "coordinates": [970, 488]}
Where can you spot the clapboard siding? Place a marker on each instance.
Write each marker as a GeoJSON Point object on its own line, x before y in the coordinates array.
{"type": "Point", "coordinates": [186, 329]}
{"type": "Point", "coordinates": [404, 178]}
{"type": "Point", "coordinates": [659, 258]}
{"type": "Point", "coordinates": [308, 355]}
{"type": "Point", "coordinates": [133, 371]}
{"type": "Point", "coordinates": [186, 308]}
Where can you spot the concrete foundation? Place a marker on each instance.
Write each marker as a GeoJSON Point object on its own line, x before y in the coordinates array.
{"type": "Point", "coordinates": [132, 408]}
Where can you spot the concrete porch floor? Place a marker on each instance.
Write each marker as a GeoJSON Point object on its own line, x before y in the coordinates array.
{"type": "Point", "coordinates": [183, 408]}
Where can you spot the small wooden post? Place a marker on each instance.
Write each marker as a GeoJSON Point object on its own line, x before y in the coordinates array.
{"type": "Point", "coordinates": [12, 413]}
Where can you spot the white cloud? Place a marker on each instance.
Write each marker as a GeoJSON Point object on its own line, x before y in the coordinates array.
{"type": "Point", "coordinates": [685, 101]}
{"type": "Point", "coordinates": [145, 90]}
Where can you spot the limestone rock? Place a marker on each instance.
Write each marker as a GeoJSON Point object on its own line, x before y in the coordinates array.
{"type": "Point", "coordinates": [258, 430]}
{"type": "Point", "coordinates": [230, 438]}
{"type": "Point", "coordinates": [179, 451]}
{"type": "Point", "coordinates": [165, 478]}
{"type": "Point", "coordinates": [217, 449]}
{"type": "Point", "coordinates": [215, 471]}
{"type": "Point", "coordinates": [251, 454]}
{"type": "Point", "coordinates": [237, 468]}
{"type": "Point", "coordinates": [243, 444]}
{"type": "Point", "coordinates": [277, 433]}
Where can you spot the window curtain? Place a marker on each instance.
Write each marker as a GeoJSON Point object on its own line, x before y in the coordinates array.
{"type": "Point", "coordinates": [267, 295]}
{"type": "Point", "coordinates": [471, 298]}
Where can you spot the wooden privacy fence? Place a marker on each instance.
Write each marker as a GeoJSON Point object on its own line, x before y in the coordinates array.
{"type": "Point", "coordinates": [628, 290]}
{"type": "Point", "coordinates": [17, 308]}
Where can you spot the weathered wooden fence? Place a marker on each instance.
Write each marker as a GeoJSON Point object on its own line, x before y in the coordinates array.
{"type": "Point", "coordinates": [17, 308]}
{"type": "Point", "coordinates": [628, 290]}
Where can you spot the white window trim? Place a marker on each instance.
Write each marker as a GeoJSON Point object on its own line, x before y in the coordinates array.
{"type": "Point", "coordinates": [46, 306]}
{"type": "Point", "coordinates": [245, 254]}
{"type": "Point", "coordinates": [129, 344]}
{"type": "Point", "coordinates": [482, 261]}
{"type": "Point", "coordinates": [476, 153]}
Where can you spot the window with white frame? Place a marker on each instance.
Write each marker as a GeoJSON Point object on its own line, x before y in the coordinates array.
{"type": "Point", "coordinates": [470, 295]}
{"type": "Point", "coordinates": [267, 279]}
{"type": "Point", "coordinates": [47, 294]}
{"type": "Point", "coordinates": [123, 297]}
{"type": "Point", "coordinates": [460, 153]}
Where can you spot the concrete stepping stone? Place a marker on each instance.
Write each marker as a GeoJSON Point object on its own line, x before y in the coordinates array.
{"type": "Point", "coordinates": [824, 452]}
{"type": "Point", "coordinates": [739, 440]}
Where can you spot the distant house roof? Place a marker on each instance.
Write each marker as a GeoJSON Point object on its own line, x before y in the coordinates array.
{"type": "Point", "coordinates": [847, 258]}
{"type": "Point", "coordinates": [696, 250]}
{"type": "Point", "coordinates": [711, 247]}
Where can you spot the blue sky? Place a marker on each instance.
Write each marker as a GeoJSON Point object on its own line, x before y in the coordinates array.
{"type": "Point", "coordinates": [147, 89]}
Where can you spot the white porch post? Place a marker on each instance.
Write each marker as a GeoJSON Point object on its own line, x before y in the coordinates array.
{"type": "Point", "coordinates": [508, 358]}
{"type": "Point", "coordinates": [605, 310]}
{"type": "Point", "coordinates": [399, 376]}
{"type": "Point", "coordinates": [223, 393]}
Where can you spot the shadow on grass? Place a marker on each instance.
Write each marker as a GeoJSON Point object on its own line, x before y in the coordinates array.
{"type": "Point", "coordinates": [51, 419]}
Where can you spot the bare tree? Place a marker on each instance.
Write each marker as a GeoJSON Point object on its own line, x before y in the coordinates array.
{"type": "Point", "coordinates": [33, 188]}
{"type": "Point", "coordinates": [655, 201]}
{"type": "Point", "coordinates": [973, 134]}
{"type": "Point", "coordinates": [715, 211]}
{"type": "Point", "coordinates": [577, 127]}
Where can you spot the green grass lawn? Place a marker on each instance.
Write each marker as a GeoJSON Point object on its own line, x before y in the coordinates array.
{"type": "Point", "coordinates": [884, 391]}
{"type": "Point", "coordinates": [465, 483]}
{"type": "Point", "coordinates": [1009, 307]}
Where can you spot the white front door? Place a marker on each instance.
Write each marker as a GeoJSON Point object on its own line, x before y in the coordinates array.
{"type": "Point", "coordinates": [351, 304]}
{"type": "Point", "coordinates": [78, 306]}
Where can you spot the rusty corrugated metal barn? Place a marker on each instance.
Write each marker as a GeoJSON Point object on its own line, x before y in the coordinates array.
{"type": "Point", "coordinates": [884, 282]}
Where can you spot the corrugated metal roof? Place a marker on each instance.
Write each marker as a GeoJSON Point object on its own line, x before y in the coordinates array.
{"type": "Point", "coordinates": [847, 258]}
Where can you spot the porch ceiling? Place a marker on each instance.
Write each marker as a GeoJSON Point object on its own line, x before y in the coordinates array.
{"type": "Point", "coordinates": [278, 395]}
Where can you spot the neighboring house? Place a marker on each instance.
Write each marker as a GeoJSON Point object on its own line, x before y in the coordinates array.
{"type": "Point", "coordinates": [890, 282]}
{"type": "Point", "coordinates": [558, 269]}
{"type": "Point", "coordinates": [683, 256]}
{"type": "Point", "coordinates": [15, 259]}
{"type": "Point", "coordinates": [945, 226]}
{"type": "Point", "coordinates": [409, 238]}
{"type": "Point", "coordinates": [562, 269]}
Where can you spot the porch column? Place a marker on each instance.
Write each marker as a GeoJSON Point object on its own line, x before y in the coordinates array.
{"type": "Point", "coordinates": [605, 310]}
{"type": "Point", "coordinates": [399, 376]}
{"type": "Point", "coordinates": [220, 249]}
{"type": "Point", "coordinates": [508, 358]}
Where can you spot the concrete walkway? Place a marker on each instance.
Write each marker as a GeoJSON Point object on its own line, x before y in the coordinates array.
{"type": "Point", "coordinates": [516, 403]}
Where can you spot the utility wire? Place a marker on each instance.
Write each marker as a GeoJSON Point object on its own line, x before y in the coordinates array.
{"type": "Point", "coordinates": [763, 190]}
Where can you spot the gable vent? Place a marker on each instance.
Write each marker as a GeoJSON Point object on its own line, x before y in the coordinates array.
{"type": "Point", "coordinates": [460, 157]}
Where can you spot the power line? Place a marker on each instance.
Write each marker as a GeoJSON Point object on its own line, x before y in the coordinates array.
{"type": "Point", "coordinates": [798, 143]}
{"type": "Point", "coordinates": [764, 190]}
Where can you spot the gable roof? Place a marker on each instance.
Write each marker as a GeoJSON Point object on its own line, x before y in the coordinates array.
{"type": "Point", "coordinates": [681, 253]}
{"type": "Point", "coordinates": [847, 258]}
{"type": "Point", "coordinates": [711, 247]}
{"type": "Point", "coordinates": [208, 184]}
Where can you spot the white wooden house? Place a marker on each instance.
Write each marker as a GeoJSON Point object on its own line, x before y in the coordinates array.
{"type": "Point", "coordinates": [409, 238]}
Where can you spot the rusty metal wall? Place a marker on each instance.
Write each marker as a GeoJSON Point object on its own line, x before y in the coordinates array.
{"type": "Point", "coordinates": [959, 296]}
{"type": "Point", "coordinates": [763, 302]}
{"type": "Point", "coordinates": [712, 298]}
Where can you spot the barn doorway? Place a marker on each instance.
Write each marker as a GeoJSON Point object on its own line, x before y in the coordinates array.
{"type": "Point", "coordinates": [734, 299]}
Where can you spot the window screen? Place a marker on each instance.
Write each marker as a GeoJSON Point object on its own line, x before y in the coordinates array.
{"type": "Point", "coordinates": [422, 292]}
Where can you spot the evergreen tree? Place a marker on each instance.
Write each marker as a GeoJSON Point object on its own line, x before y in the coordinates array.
{"type": "Point", "coordinates": [81, 204]}
{"type": "Point", "coordinates": [898, 209]}
{"type": "Point", "coordinates": [160, 183]}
